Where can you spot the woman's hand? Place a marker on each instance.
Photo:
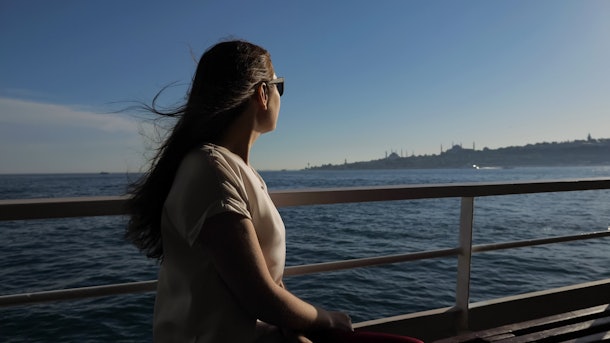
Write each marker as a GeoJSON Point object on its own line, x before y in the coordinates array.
{"type": "Point", "coordinates": [337, 320]}
{"type": "Point", "coordinates": [302, 339]}
{"type": "Point", "coordinates": [342, 321]}
{"type": "Point", "coordinates": [293, 337]}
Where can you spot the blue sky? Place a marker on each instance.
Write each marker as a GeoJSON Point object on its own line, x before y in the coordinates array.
{"type": "Point", "coordinates": [362, 77]}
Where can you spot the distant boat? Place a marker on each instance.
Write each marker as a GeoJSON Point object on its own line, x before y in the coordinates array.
{"type": "Point", "coordinates": [104, 173]}
{"type": "Point", "coordinates": [479, 167]}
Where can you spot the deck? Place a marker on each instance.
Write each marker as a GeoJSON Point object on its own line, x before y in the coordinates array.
{"type": "Point", "coordinates": [587, 325]}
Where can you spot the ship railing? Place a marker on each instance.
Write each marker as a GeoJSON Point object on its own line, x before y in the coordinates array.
{"type": "Point", "coordinates": [26, 209]}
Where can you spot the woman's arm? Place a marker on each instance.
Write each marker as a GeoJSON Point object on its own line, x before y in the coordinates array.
{"type": "Point", "coordinates": [233, 244]}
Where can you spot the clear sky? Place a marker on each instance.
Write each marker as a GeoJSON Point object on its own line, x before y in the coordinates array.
{"type": "Point", "coordinates": [362, 77]}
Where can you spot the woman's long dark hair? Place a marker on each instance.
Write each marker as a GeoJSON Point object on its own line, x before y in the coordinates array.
{"type": "Point", "coordinates": [226, 78]}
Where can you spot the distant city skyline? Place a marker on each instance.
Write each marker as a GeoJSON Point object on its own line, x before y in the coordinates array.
{"type": "Point", "coordinates": [362, 77]}
{"type": "Point", "coordinates": [404, 153]}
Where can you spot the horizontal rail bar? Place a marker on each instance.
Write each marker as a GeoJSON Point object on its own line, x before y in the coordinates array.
{"type": "Point", "coordinates": [108, 206]}
{"type": "Point", "coordinates": [540, 241]}
{"type": "Point", "coordinates": [62, 207]}
{"type": "Point", "coordinates": [366, 262]}
{"type": "Point", "coordinates": [78, 293]}
{"type": "Point", "coordinates": [412, 192]}
{"type": "Point", "coordinates": [150, 286]}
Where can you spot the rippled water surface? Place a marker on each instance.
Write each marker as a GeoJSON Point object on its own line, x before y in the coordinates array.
{"type": "Point", "coordinates": [51, 254]}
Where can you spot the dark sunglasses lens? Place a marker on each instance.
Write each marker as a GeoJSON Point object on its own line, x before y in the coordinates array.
{"type": "Point", "coordinates": [280, 87]}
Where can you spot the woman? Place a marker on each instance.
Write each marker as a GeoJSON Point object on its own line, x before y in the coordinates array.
{"type": "Point", "coordinates": [205, 213]}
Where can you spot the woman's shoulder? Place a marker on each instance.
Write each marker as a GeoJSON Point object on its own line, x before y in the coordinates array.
{"type": "Point", "coordinates": [210, 159]}
{"type": "Point", "coordinates": [217, 156]}
{"type": "Point", "coordinates": [206, 155]}
{"type": "Point", "coordinates": [203, 170]}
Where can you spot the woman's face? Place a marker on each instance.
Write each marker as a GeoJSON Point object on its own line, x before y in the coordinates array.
{"type": "Point", "coordinates": [269, 120]}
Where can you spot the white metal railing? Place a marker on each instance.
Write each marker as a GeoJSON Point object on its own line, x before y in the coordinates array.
{"type": "Point", "coordinates": [108, 206]}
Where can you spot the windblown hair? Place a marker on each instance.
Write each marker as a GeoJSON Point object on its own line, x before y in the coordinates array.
{"type": "Point", "coordinates": [226, 78]}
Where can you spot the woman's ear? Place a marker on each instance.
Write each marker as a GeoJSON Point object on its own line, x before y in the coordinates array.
{"type": "Point", "coordinates": [262, 95]}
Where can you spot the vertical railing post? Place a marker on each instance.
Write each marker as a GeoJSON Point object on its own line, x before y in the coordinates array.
{"type": "Point", "coordinates": [462, 293]}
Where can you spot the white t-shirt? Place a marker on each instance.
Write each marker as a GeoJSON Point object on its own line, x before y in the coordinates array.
{"type": "Point", "coordinates": [193, 304]}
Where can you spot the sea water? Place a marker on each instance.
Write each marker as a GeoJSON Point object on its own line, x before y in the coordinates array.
{"type": "Point", "coordinates": [39, 255]}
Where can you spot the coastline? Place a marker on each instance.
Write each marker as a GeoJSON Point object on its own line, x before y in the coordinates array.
{"type": "Point", "coordinates": [590, 152]}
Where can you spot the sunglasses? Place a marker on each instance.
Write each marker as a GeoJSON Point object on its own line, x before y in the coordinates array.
{"type": "Point", "coordinates": [279, 83]}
